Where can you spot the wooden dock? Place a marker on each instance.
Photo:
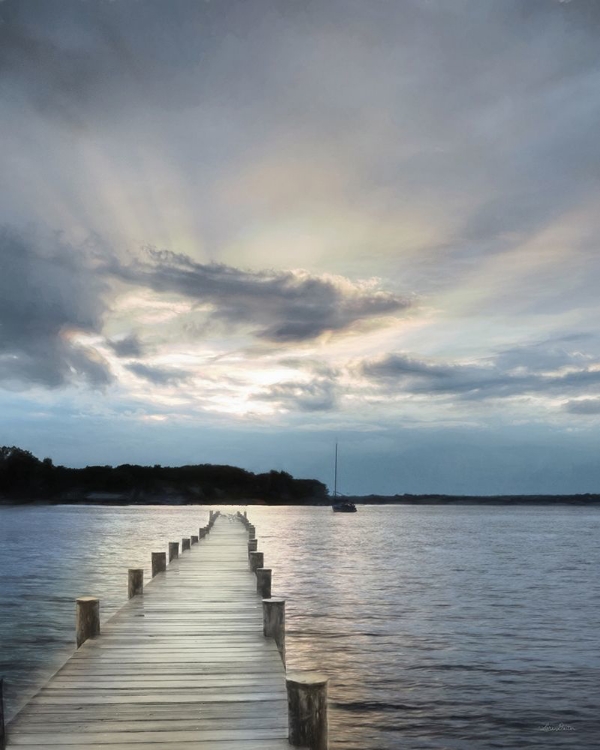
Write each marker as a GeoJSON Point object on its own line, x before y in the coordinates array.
{"type": "Point", "coordinates": [184, 665]}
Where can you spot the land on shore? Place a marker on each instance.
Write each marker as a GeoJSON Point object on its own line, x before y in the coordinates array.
{"type": "Point", "coordinates": [25, 479]}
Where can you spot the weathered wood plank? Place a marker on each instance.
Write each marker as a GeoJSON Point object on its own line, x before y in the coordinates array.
{"type": "Point", "coordinates": [274, 744]}
{"type": "Point", "coordinates": [82, 739]}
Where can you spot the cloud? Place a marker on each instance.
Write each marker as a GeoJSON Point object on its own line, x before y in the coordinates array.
{"type": "Point", "coordinates": [158, 375]}
{"type": "Point", "coordinates": [512, 373]}
{"type": "Point", "coordinates": [49, 294]}
{"type": "Point", "coordinates": [282, 306]}
{"type": "Point", "coordinates": [583, 406]}
{"type": "Point", "coordinates": [65, 77]}
{"type": "Point", "coordinates": [129, 346]}
{"type": "Point", "coordinates": [315, 395]}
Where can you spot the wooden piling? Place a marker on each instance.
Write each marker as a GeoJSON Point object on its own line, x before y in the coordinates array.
{"type": "Point", "coordinates": [2, 725]}
{"type": "Point", "coordinates": [173, 550]}
{"type": "Point", "coordinates": [274, 622]}
{"type": "Point", "coordinates": [252, 546]}
{"type": "Point", "coordinates": [87, 623]}
{"type": "Point", "coordinates": [185, 544]}
{"type": "Point", "coordinates": [194, 539]}
{"type": "Point", "coordinates": [251, 532]}
{"type": "Point", "coordinates": [135, 582]}
{"type": "Point", "coordinates": [159, 563]}
{"type": "Point", "coordinates": [263, 582]}
{"type": "Point", "coordinates": [257, 560]}
{"type": "Point", "coordinates": [307, 710]}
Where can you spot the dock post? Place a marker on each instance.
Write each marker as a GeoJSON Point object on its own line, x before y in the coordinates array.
{"type": "Point", "coordinates": [245, 514]}
{"type": "Point", "coordinates": [194, 539]}
{"type": "Point", "coordinates": [87, 624]}
{"type": "Point", "coordinates": [251, 532]}
{"type": "Point", "coordinates": [185, 544]}
{"type": "Point", "coordinates": [257, 560]}
{"type": "Point", "coordinates": [135, 582]}
{"type": "Point", "coordinates": [2, 730]}
{"type": "Point", "coordinates": [201, 533]}
{"type": "Point", "coordinates": [173, 550]}
{"type": "Point", "coordinates": [274, 622]}
{"type": "Point", "coordinates": [159, 563]}
{"type": "Point", "coordinates": [252, 546]}
{"type": "Point", "coordinates": [307, 710]}
{"type": "Point", "coordinates": [263, 582]}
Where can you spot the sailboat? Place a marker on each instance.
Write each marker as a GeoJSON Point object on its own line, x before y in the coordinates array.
{"type": "Point", "coordinates": [338, 505]}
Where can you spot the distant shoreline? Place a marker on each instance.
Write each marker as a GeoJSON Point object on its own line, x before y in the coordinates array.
{"type": "Point", "coordinates": [25, 480]}
{"type": "Point", "coordinates": [425, 500]}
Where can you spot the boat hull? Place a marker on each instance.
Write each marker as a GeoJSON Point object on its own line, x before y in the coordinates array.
{"type": "Point", "coordinates": [345, 508]}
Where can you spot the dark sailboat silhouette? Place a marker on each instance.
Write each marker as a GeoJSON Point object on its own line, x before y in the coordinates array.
{"type": "Point", "coordinates": [340, 505]}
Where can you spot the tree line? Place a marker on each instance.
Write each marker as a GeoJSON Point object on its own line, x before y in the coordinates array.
{"type": "Point", "coordinates": [26, 478]}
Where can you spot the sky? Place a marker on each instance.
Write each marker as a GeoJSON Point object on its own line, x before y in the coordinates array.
{"type": "Point", "coordinates": [238, 231]}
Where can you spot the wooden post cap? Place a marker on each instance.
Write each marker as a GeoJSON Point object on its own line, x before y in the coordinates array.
{"type": "Point", "coordinates": [307, 678]}
{"type": "Point", "coordinates": [307, 709]}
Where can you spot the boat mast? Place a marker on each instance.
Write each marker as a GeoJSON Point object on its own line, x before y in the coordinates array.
{"type": "Point", "coordinates": [335, 473]}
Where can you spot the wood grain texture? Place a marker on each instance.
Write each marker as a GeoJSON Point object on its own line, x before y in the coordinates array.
{"type": "Point", "coordinates": [185, 664]}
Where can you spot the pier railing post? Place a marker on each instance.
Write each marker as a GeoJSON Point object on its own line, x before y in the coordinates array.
{"type": "Point", "coordinates": [274, 622]}
{"type": "Point", "coordinates": [159, 563]}
{"type": "Point", "coordinates": [307, 710]}
{"type": "Point", "coordinates": [257, 560]}
{"type": "Point", "coordinates": [251, 532]}
{"type": "Point", "coordinates": [87, 624]}
{"type": "Point", "coordinates": [194, 539]}
{"type": "Point", "coordinates": [2, 728]}
{"type": "Point", "coordinates": [135, 582]}
{"type": "Point", "coordinates": [185, 544]}
{"type": "Point", "coordinates": [173, 550]}
{"type": "Point", "coordinates": [252, 546]}
{"type": "Point", "coordinates": [263, 582]}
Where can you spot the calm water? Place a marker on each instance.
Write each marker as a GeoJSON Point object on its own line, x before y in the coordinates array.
{"type": "Point", "coordinates": [440, 627]}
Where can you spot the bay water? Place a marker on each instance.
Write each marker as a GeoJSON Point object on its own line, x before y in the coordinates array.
{"type": "Point", "coordinates": [440, 627]}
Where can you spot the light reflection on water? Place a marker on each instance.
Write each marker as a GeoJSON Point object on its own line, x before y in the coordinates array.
{"type": "Point", "coordinates": [440, 627]}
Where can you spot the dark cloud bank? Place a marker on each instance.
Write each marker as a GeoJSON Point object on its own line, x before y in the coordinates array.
{"type": "Point", "coordinates": [128, 346]}
{"type": "Point", "coordinates": [158, 375]}
{"type": "Point", "coordinates": [282, 307]}
{"type": "Point", "coordinates": [51, 291]}
{"type": "Point", "coordinates": [48, 291]}
{"type": "Point", "coordinates": [520, 371]}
